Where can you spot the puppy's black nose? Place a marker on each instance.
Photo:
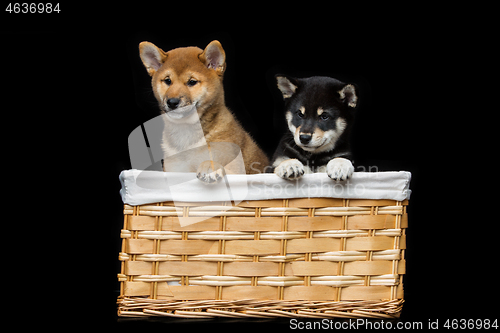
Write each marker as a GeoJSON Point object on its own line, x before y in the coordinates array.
{"type": "Point", "coordinates": [305, 138]}
{"type": "Point", "coordinates": [173, 102]}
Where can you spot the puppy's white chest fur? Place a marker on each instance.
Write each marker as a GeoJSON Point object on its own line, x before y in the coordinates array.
{"type": "Point", "coordinates": [182, 143]}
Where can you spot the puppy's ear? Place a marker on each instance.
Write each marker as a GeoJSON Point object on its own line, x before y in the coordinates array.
{"type": "Point", "coordinates": [214, 57]}
{"type": "Point", "coordinates": [152, 57]}
{"type": "Point", "coordinates": [287, 85]}
{"type": "Point", "coordinates": [348, 95]}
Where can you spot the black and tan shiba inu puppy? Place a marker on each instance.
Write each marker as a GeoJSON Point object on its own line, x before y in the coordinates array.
{"type": "Point", "coordinates": [187, 83]}
{"type": "Point", "coordinates": [319, 112]}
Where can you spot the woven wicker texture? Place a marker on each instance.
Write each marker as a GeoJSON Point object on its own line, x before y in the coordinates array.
{"type": "Point", "coordinates": [316, 257]}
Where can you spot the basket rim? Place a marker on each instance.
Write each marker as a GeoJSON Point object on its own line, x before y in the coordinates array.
{"type": "Point", "coordinates": [144, 187]}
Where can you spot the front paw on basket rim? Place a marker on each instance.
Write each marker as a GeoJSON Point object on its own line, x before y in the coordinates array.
{"type": "Point", "coordinates": [207, 174]}
{"type": "Point", "coordinates": [290, 169]}
{"type": "Point", "coordinates": [339, 169]}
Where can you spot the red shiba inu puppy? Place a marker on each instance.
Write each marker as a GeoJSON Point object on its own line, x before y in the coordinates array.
{"type": "Point", "coordinates": [187, 83]}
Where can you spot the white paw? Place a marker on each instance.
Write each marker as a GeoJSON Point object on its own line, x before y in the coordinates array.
{"type": "Point", "coordinates": [207, 174]}
{"type": "Point", "coordinates": [290, 169]}
{"type": "Point", "coordinates": [339, 169]}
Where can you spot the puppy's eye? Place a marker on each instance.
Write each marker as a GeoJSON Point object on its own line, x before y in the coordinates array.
{"type": "Point", "coordinates": [324, 116]}
{"type": "Point", "coordinates": [167, 81]}
{"type": "Point", "coordinates": [191, 82]}
{"type": "Point", "coordinates": [300, 114]}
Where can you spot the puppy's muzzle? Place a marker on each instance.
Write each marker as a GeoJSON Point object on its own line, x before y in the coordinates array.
{"type": "Point", "coordinates": [305, 138]}
{"type": "Point", "coordinates": [173, 103]}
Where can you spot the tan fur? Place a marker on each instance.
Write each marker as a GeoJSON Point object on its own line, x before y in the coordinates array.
{"type": "Point", "coordinates": [206, 67]}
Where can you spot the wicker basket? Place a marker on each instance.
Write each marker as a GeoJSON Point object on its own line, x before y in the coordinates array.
{"type": "Point", "coordinates": [294, 257]}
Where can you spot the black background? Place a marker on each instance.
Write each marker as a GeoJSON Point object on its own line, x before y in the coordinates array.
{"type": "Point", "coordinates": [74, 89]}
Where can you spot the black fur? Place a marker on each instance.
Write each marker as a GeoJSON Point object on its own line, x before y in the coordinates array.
{"type": "Point", "coordinates": [288, 147]}
{"type": "Point", "coordinates": [310, 94]}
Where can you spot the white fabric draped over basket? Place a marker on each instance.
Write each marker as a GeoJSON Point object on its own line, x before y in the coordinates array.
{"type": "Point", "coordinates": [143, 187]}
